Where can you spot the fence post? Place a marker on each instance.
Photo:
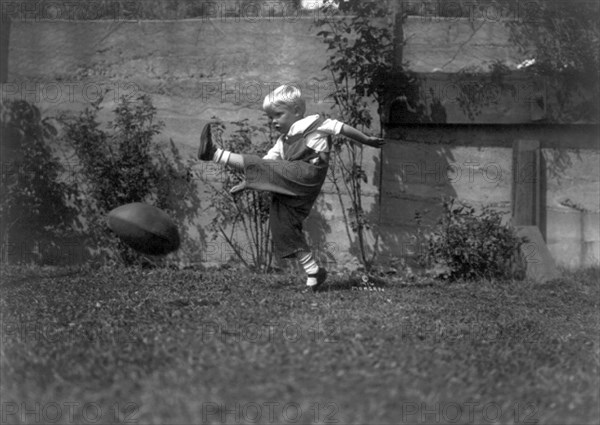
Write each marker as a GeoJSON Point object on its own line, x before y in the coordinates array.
{"type": "Point", "coordinates": [4, 46]}
{"type": "Point", "coordinates": [528, 209]}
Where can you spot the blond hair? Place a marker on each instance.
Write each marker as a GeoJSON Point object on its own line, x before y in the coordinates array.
{"type": "Point", "coordinates": [285, 95]}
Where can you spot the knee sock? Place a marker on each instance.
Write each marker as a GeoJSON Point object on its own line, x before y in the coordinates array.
{"type": "Point", "coordinates": [309, 264]}
{"type": "Point", "coordinates": [221, 156]}
{"type": "Point", "coordinates": [230, 159]}
{"type": "Point", "coordinates": [310, 267]}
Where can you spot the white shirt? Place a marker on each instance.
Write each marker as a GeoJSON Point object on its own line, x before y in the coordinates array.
{"type": "Point", "coordinates": [316, 140]}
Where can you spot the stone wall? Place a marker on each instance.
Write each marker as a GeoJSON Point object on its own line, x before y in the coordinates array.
{"type": "Point", "coordinates": [197, 69]}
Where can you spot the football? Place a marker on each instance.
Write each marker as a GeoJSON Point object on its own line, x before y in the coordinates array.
{"type": "Point", "coordinates": [145, 228]}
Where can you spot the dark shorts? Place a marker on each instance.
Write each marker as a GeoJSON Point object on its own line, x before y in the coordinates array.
{"type": "Point", "coordinates": [295, 186]}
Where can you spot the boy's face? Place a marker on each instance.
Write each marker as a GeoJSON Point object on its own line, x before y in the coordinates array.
{"type": "Point", "coordinates": [282, 117]}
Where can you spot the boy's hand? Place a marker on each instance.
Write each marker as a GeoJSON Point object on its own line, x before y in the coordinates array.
{"type": "Point", "coordinates": [376, 142]}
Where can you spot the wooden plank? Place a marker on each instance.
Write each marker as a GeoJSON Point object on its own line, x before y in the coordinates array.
{"type": "Point", "coordinates": [4, 44]}
{"type": "Point", "coordinates": [526, 191]}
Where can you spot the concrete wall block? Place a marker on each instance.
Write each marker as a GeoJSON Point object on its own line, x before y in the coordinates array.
{"type": "Point", "coordinates": [564, 225]}
{"type": "Point", "coordinates": [572, 237]}
{"type": "Point", "coordinates": [591, 227]}
{"type": "Point", "coordinates": [566, 253]}
{"type": "Point", "coordinates": [573, 179]}
{"type": "Point", "coordinates": [591, 254]}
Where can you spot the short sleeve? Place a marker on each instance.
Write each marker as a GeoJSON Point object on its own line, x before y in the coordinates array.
{"type": "Point", "coordinates": [331, 126]}
{"type": "Point", "coordinates": [318, 140]}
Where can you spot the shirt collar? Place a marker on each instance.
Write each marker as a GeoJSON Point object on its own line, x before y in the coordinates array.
{"type": "Point", "coordinates": [302, 124]}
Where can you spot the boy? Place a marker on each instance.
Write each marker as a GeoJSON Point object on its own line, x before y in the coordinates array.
{"type": "Point", "coordinates": [294, 170]}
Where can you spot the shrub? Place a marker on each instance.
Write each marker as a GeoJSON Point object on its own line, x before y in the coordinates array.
{"type": "Point", "coordinates": [122, 164]}
{"type": "Point", "coordinates": [469, 245]}
{"type": "Point", "coordinates": [38, 209]}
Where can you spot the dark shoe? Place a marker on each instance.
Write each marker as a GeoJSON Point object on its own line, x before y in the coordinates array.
{"type": "Point", "coordinates": [207, 149]}
{"type": "Point", "coordinates": [321, 276]}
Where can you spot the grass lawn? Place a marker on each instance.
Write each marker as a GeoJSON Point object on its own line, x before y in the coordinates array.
{"type": "Point", "coordinates": [182, 347]}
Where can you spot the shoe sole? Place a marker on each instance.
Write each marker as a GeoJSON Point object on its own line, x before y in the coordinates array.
{"type": "Point", "coordinates": [205, 142]}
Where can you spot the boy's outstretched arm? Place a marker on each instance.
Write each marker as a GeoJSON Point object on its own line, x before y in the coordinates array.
{"type": "Point", "coordinates": [360, 137]}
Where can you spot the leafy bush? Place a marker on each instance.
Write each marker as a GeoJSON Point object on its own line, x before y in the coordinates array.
{"type": "Point", "coordinates": [123, 165]}
{"type": "Point", "coordinates": [38, 208]}
{"type": "Point", "coordinates": [470, 245]}
{"type": "Point", "coordinates": [243, 220]}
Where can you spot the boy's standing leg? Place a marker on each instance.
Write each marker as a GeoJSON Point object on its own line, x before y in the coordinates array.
{"type": "Point", "coordinates": [316, 274]}
{"type": "Point", "coordinates": [286, 217]}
